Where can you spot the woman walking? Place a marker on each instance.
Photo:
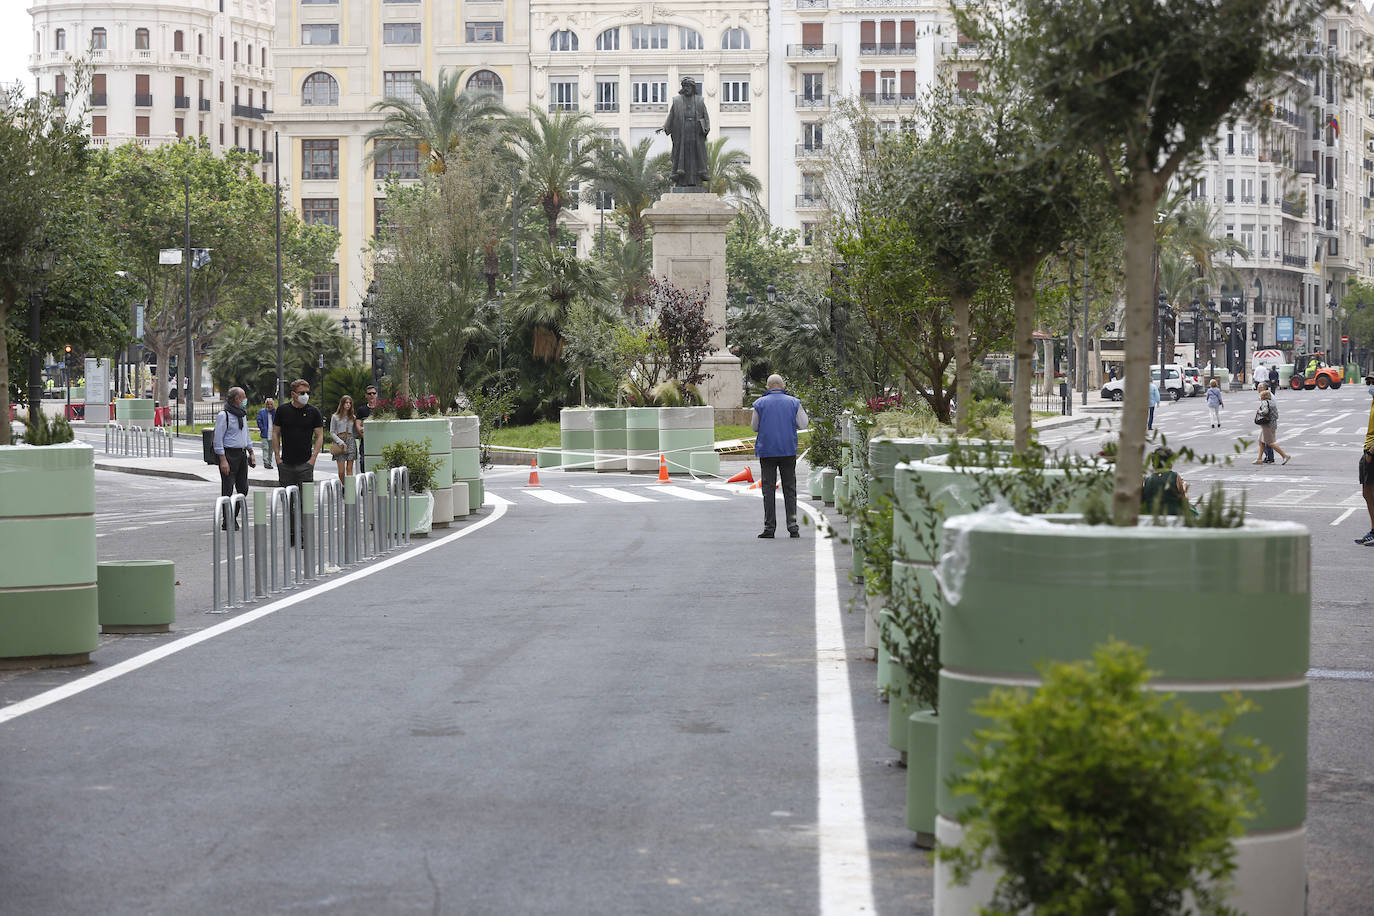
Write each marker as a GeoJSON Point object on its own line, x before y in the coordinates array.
{"type": "Point", "coordinates": [343, 429]}
{"type": "Point", "coordinates": [1214, 402]}
{"type": "Point", "coordinates": [1267, 419]}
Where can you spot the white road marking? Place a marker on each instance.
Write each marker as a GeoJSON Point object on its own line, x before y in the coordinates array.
{"type": "Point", "coordinates": [1343, 516]}
{"type": "Point", "coordinates": [623, 496]}
{"type": "Point", "coordinates": [846, 882]}
{"type": "Point", "coordinates": [1330, 431]}
{"type": "Point", "coordinates": [81, 685]}
{"type": "Point", "coordinates": [552, 496]}
{"type": "Point", "coordinates": [491, 499]}
{"type": "Point", "coordinates": [684, 493]}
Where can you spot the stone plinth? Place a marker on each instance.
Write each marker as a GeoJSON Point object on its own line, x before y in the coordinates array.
{"type": "Point", "coordinates": [689, 252]}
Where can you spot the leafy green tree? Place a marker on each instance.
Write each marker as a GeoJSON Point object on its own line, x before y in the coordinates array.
{"type": "Point", "coordinates": [351, 380]}
{"type": "Point", "coordinates": [1142, 87]}
{"type": "Point", "coordinates": [557, 149]}
{"type": "Point", "coordinates": [553, 281]}
{"type": "Point", "coordinates": [634, 178]}
{"type": "Point", "coordinates": [42, 165]}
{"type": "Point", "coordinates": [589, 341]}
{"type": "Point", "coordinates": [245, 353]}
{"type": "Point", "coordinates": [441, 118]}
{"type": "Point", "coordinates": [627, 265]}
{"type": "Point", "coordinates": [1096, 794]}
{"type": "Point", "coordinates": [1358, 309]}
{"type": "Point", "coordinates": [142, 192]}
{"type": "Point", "coordinates": [731, 178]}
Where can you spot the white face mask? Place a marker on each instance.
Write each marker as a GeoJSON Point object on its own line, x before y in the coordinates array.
{"type": "Point", "coordinates": [303, 399]}
{"type": "Point", "coordinates": [1371, 391]}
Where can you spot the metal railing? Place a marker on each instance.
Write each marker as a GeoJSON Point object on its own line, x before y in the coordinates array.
{"type": "Point", "coordinates": [301, 532]}
{"type": "Point", "coordinates": [137, 441]}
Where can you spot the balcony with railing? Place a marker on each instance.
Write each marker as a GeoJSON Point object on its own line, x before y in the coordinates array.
{"type": "Point", "coordinates": [812, 102]}
{"type": "Point", "coordinates": [562, 106]}
{"type": "Point", "coordinates": [813, 4]}
{"type": "Point", "coordinates": [1292, 209]}
{"type": "Point", "coordinates": [809, 150]}
{"type": "Point", "coordinates": [248, 111]}
{"type": "Point", "coordinates": [607, 106]}
{"type": "Point", "coordinates": [268, 157]}
{"type": "Point", "coordinates": [204, 104]}
{"type": "Point", "coordinates": [810, 202]}
{"type": "Point", "coordinates": [143, 100]}
{"type": "Point", "coordinates": [99, 99]}
{"type": "Point", "coordinates": [182, 102]}
{"type": "Point", "coordinates": [1307, 168]}
{"type": "Point", "coordinates": [1294, 260]}
{"type": "Point", "coordinates": [813, 52]}
{"type": "Point", "coordinates": [888, 98]}
{"type": "Point", "coordinates": [887, 48]}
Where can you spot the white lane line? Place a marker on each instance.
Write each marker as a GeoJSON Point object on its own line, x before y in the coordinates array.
{"type": "Point", "coordinates": [552, 496]}
{"type": "Point", "coordinates": [684, 493]}
{"type": "Point", "coordinates": [846, 882]}
{"type": "Point", "coordinates": [1343, 516]}
{"type": "Point", "coordinates": [1339, 674]}
{"type": "Point", "coordinates": [1340, 416]}
{"type": "Point", "coordinates": [491, 499]}
{"type": "Point", "coordinates": [1330, 431]}
{"type": "Point", "coordinates": [622, 496]}
{"type": "Point", "coordinates": [81, 685]}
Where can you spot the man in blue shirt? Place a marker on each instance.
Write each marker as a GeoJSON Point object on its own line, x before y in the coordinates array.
{"type": "Point", "coordinates": [1154, 402]}
{"type": "Point", "coordinates": [776, 418]}
{"type": "Point", "coordinates": [266, 417]}
{"type": "Point", "coordinates": [234, 446]}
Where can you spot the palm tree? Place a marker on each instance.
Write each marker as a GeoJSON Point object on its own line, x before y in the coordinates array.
{"type": "Point", "coordinates": [552, 280]}
{"type": "Point", "coordinates": [443, 117]}
{"type": "Point", "coordinates": [730, 175]}
{"type": "Point", "coordinates": [558, 150]}
{"type": "Point", "coordinates": [627, 264]}
{"type": "Point", "coordinates": [634, 179]}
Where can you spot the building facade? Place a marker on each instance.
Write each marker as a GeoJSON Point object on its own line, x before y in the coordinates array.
{"type": "Point", "coordinates": [162, 70]}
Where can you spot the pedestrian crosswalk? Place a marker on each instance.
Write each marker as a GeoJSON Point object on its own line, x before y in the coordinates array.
{"type": "Point", "coordinates": [625, 494]}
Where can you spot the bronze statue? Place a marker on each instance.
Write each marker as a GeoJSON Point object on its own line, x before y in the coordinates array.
{"type": "Point", "coordinates": [687, 126]}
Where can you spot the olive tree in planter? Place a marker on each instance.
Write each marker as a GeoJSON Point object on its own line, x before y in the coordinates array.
{"type": "Point", "coordinates": [415, 457]}
{"type": "Point", "coordinates": [821, 398]}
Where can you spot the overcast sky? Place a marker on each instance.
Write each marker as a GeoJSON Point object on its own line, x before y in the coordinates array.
{"type": "Point", "coordinates": [16, 43]}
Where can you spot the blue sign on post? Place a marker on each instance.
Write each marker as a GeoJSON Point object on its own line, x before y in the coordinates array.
{"type": "Point", "coordinates": [1284, 329]}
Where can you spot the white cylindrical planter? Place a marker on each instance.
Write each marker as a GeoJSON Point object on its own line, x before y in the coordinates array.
{"type": "Point", "coordinates": [465, 432]}
{"type": "Point", "coordinates": [641, 439]}
{"type": "Point", "coordinates": [461, 509]}
{"type": "Point", "coordinates": [682, 431]}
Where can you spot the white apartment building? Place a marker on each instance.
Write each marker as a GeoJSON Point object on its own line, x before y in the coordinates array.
{"type": "Point", "coordinates": [162, 69]}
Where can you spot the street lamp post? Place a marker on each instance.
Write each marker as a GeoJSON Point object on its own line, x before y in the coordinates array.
{"type": "Point", "coordinates": [1163, 308]}
{"type": "Point", "coordinates": [40, 289]}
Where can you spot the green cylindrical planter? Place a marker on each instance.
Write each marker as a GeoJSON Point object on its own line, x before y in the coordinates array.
{"type": "Point", "coordinates": [683, 430]}
{"type": "Point", "coordinates": [577, 439]}
{"type": "Point", "coordinates": [923, 731]}
{"type": "Point", "coordinates": [467, 463]}
{"type": "Point", "coordinates": [380, 433]}
{"type": "Point", "coordinates": [1217, 610]}
{"type": "Point", "coordinates": [641, 439]}
{"type": "Point", "coordinates": [828, 486]}
{"type": "Point", "coordinates": [420, 507]}
{"type": "Point", "coordinates": [136, 596]}
{"type": "Point", "coordinates": [839, 489]}
{"type": "Point", "coordinates": [813, 483]}
{"type": "Point", "coordinates": [705, 463]}
{"type": "Point", "coordinates": [608, 438]}
{"type": "Point", "coordinates": [134, 412]}
{"type": "Point", "coordinates": [549, 457]}
{"type": "Point", "coordinates": [49, 602]}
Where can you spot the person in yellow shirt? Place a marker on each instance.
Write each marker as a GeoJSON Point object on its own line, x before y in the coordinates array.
{"type": "Point", "coordinates": [1367, 467]}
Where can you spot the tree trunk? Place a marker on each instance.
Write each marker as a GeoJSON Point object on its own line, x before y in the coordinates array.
{"type": "Point", "coordinates": [1138, 216]}
{"type": "Point", "coordinates": [582, 383]}
{"type": "Point", "coordinates": [160, 377]}
{"type": "Point", "coordinates": [1023, 302]}
{"type": "Point", "coordinates": [5, 372]}
{"type": "Point", "coordinates": [963, 365]}
{"type": "Point", "coordinates": [405, 370]}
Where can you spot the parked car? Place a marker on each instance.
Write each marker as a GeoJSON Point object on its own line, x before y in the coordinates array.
{"type": "Point", "coordinates": [1193, 376]}
{"type": "Point", "coordinates": [1174, 387]}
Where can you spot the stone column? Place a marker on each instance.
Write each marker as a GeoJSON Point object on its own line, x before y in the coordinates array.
{"type": "Point", "coordinates": [689, 252]}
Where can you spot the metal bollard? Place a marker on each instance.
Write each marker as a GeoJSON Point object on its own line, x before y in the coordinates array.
{"type": "Point", "coordinates": [279, 518]}
{"type": "Point", "coordinates": [350, 521]}
{"type": "Point", "coordinates": [261, 554]}
{"type": "Point", "coordinates": [367, 522]}
{"type": "Point", "coordinates": [400, 495]}
{"type": "Point", "coordinates": [225, 507]}
{"type": "Point", "coordinates": [305, 530]}
{"type": "Point", "coordinates": [330, 522]}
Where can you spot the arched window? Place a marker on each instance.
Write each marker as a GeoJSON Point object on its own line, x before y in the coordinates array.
{"type": "Point", "coordinates": [320, 89]}
{"type": "Point", "coordinates": [59, 40]}
{"type": "Point", "coordinates": [141, 38]}
{"type": "Point", "coordinates": [691, 39]}
{"type": "Point", "coordinates": [98, 39]}
{"type": "Point", "coordinates": [486, 81]}
{"type": "Point", "coordinates": [565, 40]}
{"type": "Point", "coordinates": [734, 40]}
{"type": "Point", "coordinates": [609, 40]}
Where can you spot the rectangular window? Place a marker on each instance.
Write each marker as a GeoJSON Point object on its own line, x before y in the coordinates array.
{"type": "Point", "coordinates": [808, 234]}
{"type": "Point", "coordinates": [236, 47]}
{"type": "Point", "coordinates": [736, 90]}
{"type": "Point", "coordinates": [378, 215]}
{"type": "Point", "coordinates": [319, 2]}
{"type": "Point", "coordinates": [221, 90]}
{"type": "Point", "coordinates": [649, 92]}
{"type": "Point", "coordinates": [320, 210]}
{"type": "Point", "coordinates": [812, 135]}
{"type": "Point", "coordinates": [486, 31]}
{"type": "Point", "coordinates": [607, 95]}
{"type": "Point", "coordinates": [237, 144]}
{"type": "Point", "coordinates": [813, 34]}
{"type": "Point", "coordinates": [887, 85]}
{"type": "Point", "coordinates": [180, 125]}
{"type": "Point", "coordinates": [398, 160]}
{"type": "Point", "coordinates": [178, 40]}
{"type": "Point", "coordinates": [141, 126]}
{"type": "Point", "coordinates": [401, 33]}
{"type": "Point", "coordinates": [221, 47]}
{"type": "Point", "coordinates": [400, 84]}
{"type": "Point", "coordinates": [319, 159]}
{"type": "Point", "coordinates": [966, 81]}
{"type": "Point", "coordinates": [317, 33]}
{"type": "Point", "coordinates": [648, 37]}
{"type": "Point", "coordinates": [812, 186]}
{"type": "Point", "coordinates": [324, 290]}
{"type": "Point", "coordinates": [563, 95]}
{"type": "Point", "coordinates": [97, 125]}
{"type": "Point", "coordinates": [813, 85]}
{"type": "Point", "coordinates": [60, 40]}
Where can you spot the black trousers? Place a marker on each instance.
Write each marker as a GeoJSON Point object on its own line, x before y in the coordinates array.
{"type": "Point", "coordinates": [771, 469]}
{"type": "Point", "coordinates": [294, 474]}
{"type": "Point", "coordinates": [237, 478]}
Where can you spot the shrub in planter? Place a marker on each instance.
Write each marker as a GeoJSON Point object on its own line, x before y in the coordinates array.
{"type": "Point", "coordinates": [1096, 795]}
{"type": "Point", "coordinates": [45, 430]}
{"type": "Point", "coordinates": [415, 457]}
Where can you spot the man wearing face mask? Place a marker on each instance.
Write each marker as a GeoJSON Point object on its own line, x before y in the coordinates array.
{"type": "Point", "coordinates": [296, 437]}
{"type": "Point", "coordinates": [234, 446]}
{"type": "Point", "coordinates": [1367, 467]}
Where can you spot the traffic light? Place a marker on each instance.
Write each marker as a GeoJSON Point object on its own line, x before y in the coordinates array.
{"type": "Point", "coordinates": [67, 349]}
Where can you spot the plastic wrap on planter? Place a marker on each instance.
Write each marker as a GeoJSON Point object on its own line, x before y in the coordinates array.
{"type": "Point", "coordinates": [467, 463]}
{"type": "Point", "coordinates": [465, 432]}
{"type": "Point", "coordinates": [134, 412]}
{"type": "Point", "coordinates": [705, 463]}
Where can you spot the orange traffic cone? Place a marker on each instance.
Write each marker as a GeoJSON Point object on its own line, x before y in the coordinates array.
{"type": "Point", "coordinates": [662, 468]}
{"type": "Point", "coordinates": [534, 474]}
{"type": "Point", "coordinates": [744, 476]}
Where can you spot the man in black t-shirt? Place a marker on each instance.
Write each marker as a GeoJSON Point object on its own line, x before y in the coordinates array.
{"type": "Point", "coordinates": [296, 437]}
{"type": "Point", "coordinates": [362, 412]}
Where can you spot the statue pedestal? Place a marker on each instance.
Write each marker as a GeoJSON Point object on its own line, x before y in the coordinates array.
{"type": "Point", "coordinates": [689, 252]}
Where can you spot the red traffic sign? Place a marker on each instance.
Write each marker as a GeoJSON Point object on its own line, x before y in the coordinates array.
{"type": "Point", "coordinates": [1345, 338]}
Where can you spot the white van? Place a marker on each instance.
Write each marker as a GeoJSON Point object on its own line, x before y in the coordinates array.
{"type": "Point", "coordinates": [1175, 385]}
